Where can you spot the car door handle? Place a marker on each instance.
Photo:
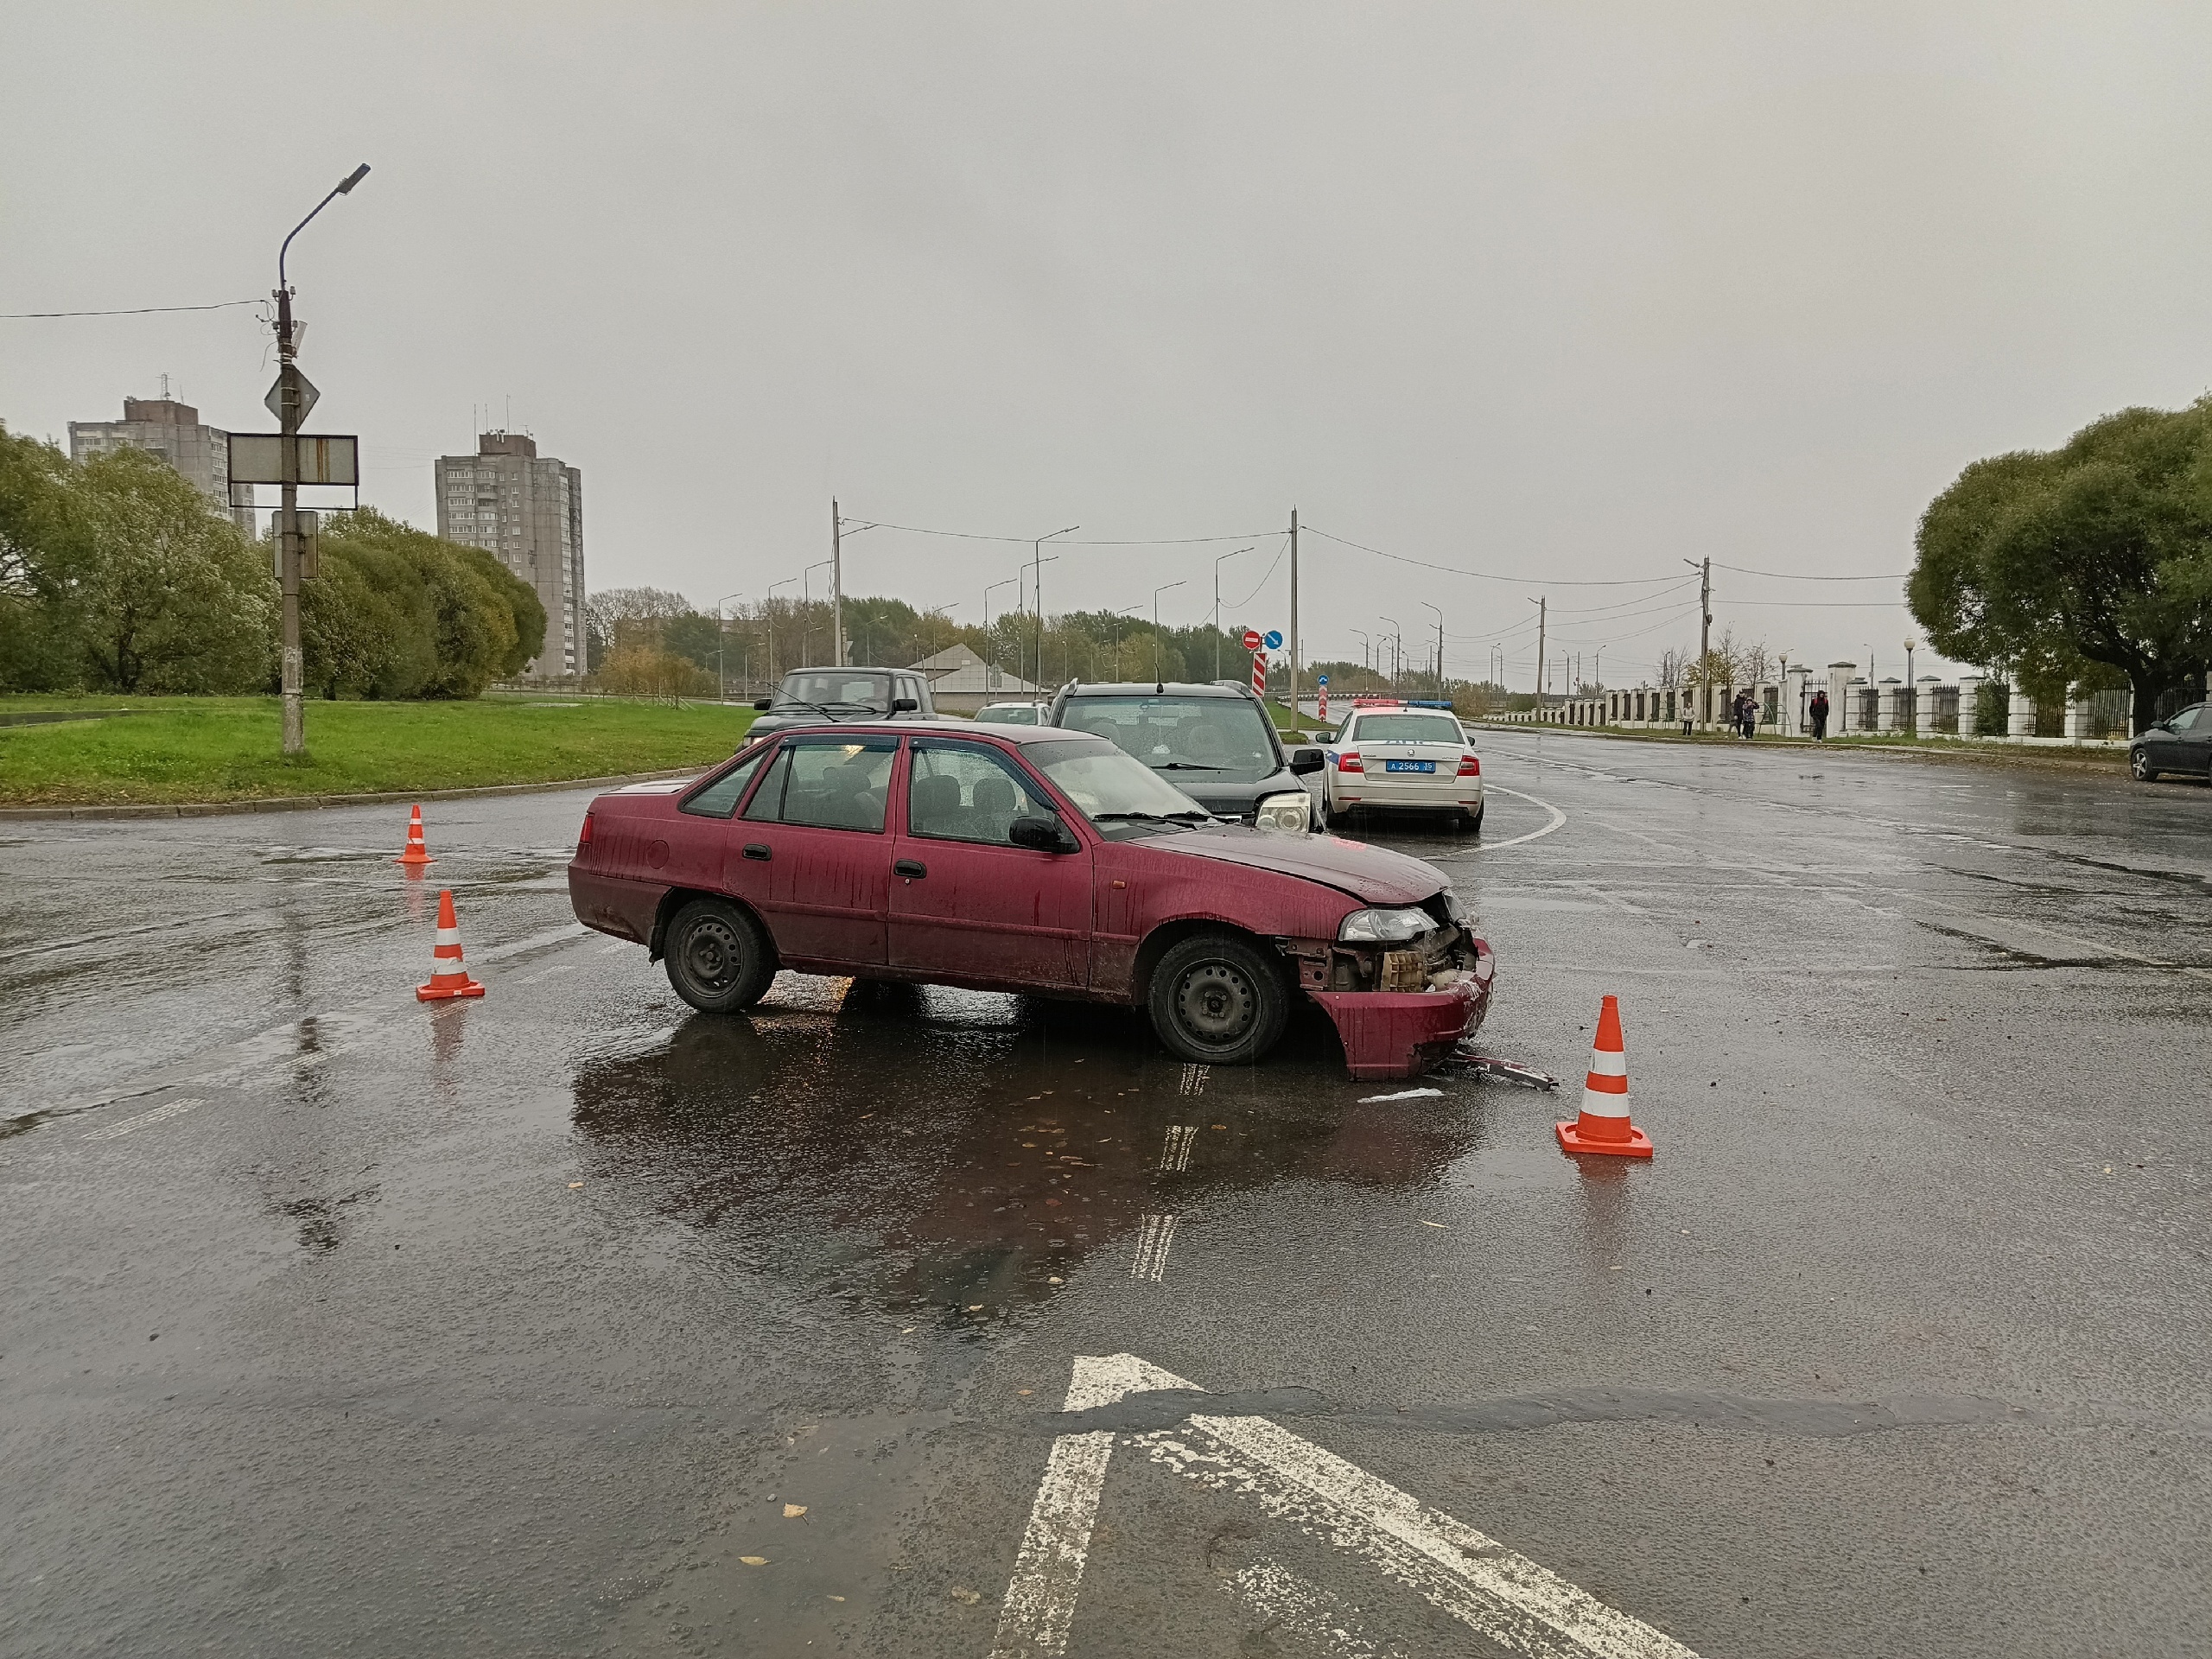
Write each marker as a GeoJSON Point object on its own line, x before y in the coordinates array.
{"type": "Point", "coordinates": [912, 869]}
{"type": "Point", "coordinates": [759, 849]}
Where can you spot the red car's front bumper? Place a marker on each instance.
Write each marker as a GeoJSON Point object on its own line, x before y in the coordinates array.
{"type": "Point", "coordinates": [1402, 1033]}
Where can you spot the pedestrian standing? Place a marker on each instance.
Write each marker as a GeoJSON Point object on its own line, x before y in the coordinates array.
{"type": "Point", "coordinates": [1751, 708]}
{"type": "Point", "coordinates": [1818, 713]}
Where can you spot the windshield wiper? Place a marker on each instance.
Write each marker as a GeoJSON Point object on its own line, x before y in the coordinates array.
{"type": "Point", "coordinates": [1197, 815]}
{"type": "Point", "coordinates": [827, 710]}
{"type": "Point", "coordinates": [1189, 765]}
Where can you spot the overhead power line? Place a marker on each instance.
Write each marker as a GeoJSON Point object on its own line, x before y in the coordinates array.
{"type": "Point", "coordinates": [1486, 575]}
{"type": "Point", "coordinates": [1791, 575]}
{"type": "Point", "coordinates": [129, 311]}
{"type": "Point", "coordinates": [978, 536]}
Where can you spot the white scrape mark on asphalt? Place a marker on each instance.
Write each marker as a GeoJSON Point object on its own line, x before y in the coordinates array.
{"type": "Point", "coordinates": [146, 1120]}
{"type": "Point", "coordinates": [1502, 1595]}
{"type": "Point", "coordinates": [1557, 819]}
{"type": "Point", "coordinates": [1154, 1239]}
{"type": "Point", "coordinates": [1403, 1094]}
{"type": "Point", "coordinates": [1287, 1603]}
{"type": "Point", "coordinates": [1176, 1154]}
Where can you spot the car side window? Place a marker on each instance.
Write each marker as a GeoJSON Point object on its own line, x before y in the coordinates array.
{"type": "Point", "coordinates": [962, 792]}
{"type": "Point", "coordinates": [720, 798]}
{"type": "Point", "coordinates": [830, 782]}
{"type": "Point", "coordinates": [2187, 719]}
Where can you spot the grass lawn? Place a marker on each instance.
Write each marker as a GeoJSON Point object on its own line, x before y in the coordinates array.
{"type": "Point", "coordinates": [177, 749]}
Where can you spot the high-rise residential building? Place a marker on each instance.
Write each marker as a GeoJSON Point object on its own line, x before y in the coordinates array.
{"type": "Point", "coordinates": [528, 510]}
{"type": "Point", "coordinates": [163, 426]}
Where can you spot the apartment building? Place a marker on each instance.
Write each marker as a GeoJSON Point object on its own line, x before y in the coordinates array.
{"type": "Point", "coordinates": [163, 426]}
{"type": "Point", "coordinates": [527, 508]}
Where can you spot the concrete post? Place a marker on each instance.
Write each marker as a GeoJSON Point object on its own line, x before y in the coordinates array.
{"type": "Point", "coordinates": [2021, 721]}
{"type": "Point", "coordinates": [1969, 699]}
{"type": "Point", "coordinates": [2077, 714]}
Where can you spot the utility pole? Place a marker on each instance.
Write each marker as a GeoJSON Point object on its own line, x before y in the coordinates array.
{"type": "Point", "coordinates": [1542, 609]}
{"type": "Point", "coordinates": [291, 396]}
{"type": "Point", "coordinates": [836, 585]}
{"type": "Point", "coordinates": [1294, 613]}
{"type": "Point", "coordinates": [1439, 646]}
{"type": "Point", "coordinates": [1704, 638]}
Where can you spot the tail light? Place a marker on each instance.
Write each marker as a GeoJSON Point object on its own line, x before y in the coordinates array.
{"type": "Point", "coordinates": [1470, 767]}
{"type": "Point", "coordinates": [1349, 761]}
{"type": "Point", "coordinates": [583, 836]}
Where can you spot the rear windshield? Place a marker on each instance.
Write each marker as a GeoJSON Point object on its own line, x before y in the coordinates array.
{"type": "Point", "coordinates": [1010, 714]}
{"type": "Point", "coordinates": [1224, 737]}
{"type": "Point", "coordinates": [1407, 729]}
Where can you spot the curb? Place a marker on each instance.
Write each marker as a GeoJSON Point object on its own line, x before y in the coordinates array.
{"type": "Point", "coordinates": [310, 803]}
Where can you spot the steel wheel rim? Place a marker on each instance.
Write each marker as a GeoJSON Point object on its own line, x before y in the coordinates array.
{"type": "Point", "coordinates": [711, 955]}
{"type": "Point", "coordinates": [1215, 1005]}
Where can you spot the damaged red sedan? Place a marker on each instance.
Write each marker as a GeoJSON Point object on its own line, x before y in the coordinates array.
{"type": "Point", "coordinates": [1031, 860]}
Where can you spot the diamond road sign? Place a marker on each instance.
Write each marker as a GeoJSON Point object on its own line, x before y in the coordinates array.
{"type": "Point", "coordinates": [274, 402]}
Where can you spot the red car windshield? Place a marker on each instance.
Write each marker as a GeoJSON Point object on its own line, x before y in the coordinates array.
{"type": "Point", "coordinates": [1122, 797]}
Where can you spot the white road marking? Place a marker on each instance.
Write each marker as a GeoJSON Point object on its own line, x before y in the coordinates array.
{"type": "Point", "coordinates": [1176, 1154]}
{"type": "Point", "coordinates": [1289, 1603]}
{"type": "Point", "coordinates": [146, 1120]}
{"type": "Point", "coordinates": [1559, 818]}
{"type": "Point", "coordinates": [1500, 1595]}
{"type": "Point", "coordinates": [1154, 1239]}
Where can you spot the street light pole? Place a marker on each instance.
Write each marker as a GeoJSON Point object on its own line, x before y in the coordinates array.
{"type": "Point", "coordinates": [1156, 593]}
{"type": "Point", "coordinates": [1217, 607]}
{"type": "Point", "coordinates": [1439, 645]}
{"type": "Point", "coordinates": [1037, 591]}
{"type": "Point", "coordinates": [721, 628]}
{"type": "Point", "coordinates": [767, 608]}
{"type": "Point", "coordinates": [1397, 646]}
{"type": "Point", "coordinates": [988, 643]}
{"type": "Point", "coordinates": [291, 670]}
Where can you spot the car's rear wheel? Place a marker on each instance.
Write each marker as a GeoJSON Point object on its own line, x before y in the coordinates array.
{"type": "Point", "coordinates": [1219, 1000]}
{"type": "Point", "coordinates": [2139, 762]}
{"type": "Point", "coordinates": [718, 957]}
{"type": "Point", "coordinates": [1475, 817]}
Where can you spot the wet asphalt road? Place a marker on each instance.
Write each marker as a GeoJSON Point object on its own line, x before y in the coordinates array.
{"type": "Point", "coordinates": [335, 1324]}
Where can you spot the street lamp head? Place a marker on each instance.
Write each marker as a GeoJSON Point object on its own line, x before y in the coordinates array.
{"type": "Point", "coordinates": [352, 179]}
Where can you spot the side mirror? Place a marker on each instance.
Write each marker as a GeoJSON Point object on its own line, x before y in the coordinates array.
{"type": "Point", "coordinates": [903, 705]}
{"type": "Point", "coordinates": [1042, 835]}
{"type": "Point", "coordinates": [1303, 761]}
{"type": "Point", "coordinates": [762, 703]}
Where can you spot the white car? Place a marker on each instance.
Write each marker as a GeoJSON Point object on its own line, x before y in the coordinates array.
{"type": "Point", "coordinates": [1413, 759]}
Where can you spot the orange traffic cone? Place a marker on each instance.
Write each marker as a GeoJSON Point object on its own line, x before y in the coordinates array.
{"type": "Point", "coordinates": [447, 977]}
{"type": "Point", "coordinates": [1603, 1125]}
{"type": "Point", "coordinates": [416, 853]}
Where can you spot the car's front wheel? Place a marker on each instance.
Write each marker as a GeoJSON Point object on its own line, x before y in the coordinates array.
{"type": "Point", "coordinates": [718, 958]}
{"type": "Point", "coordinates": [2139, 763]}
{"type": "Point", "coordinates": [1218, 999]}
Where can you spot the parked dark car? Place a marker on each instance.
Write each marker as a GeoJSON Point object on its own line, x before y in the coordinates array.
{"type": "Point", "coordinates": [1216, 743]}
{"type": "Point", "coordinates": [807, 696]}
{"type": "Point", "coordinates": [1033, 859]}
{"type": "Point", "coordinates": [2180, 743]}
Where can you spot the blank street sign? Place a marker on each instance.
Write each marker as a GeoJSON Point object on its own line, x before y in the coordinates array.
{"type": "Point", "coordinates": [258, 458]}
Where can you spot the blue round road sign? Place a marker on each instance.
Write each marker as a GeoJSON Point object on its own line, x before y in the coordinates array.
{"type": "Point", "coordinates": [1324, 679]}
{"type": "Point", "coordinates": [1274, 639]}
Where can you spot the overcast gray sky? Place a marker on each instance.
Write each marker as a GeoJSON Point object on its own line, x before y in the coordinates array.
{"type": "Point", "coordinates": [1556, 292]}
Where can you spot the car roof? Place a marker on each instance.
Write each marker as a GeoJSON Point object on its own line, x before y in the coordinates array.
{"type": "Point", "coordinates": [940, 726]}
{"type": "Point", "coordinates": [1156, 689]}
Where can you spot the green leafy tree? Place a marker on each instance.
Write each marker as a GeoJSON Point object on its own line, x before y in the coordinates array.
{"type": "Point", "coordinates": [166, 594]}
{"type": "Point", "coordinates": [2099, 555]}
{"type": "Point", "coordinates": [38, 544]}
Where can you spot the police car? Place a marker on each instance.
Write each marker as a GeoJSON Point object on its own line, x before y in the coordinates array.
{"type": "Point", "coordinates": [1411, 756]}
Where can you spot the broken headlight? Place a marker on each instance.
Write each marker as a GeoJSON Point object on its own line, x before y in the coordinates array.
{"type": "Point", "coordinates": [1385, 926]}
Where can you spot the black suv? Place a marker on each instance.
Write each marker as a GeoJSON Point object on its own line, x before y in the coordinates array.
{"type": "Point", "coordinates": [808, 697]}
{"type": "Point", "coordinates": [1214, 742]}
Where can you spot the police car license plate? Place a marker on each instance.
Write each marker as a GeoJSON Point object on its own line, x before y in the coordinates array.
{"type": "Point", "coordinates": [1409, 765]}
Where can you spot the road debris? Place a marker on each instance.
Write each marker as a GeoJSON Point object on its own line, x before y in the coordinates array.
{"type": "Point", "coordinates": [1403, 1094]}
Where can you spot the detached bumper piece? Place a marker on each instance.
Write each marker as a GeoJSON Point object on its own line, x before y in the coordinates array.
{"type": "Point", "coordinates": [1403, 1033]}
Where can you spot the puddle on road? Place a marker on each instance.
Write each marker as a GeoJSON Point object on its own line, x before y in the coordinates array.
{"type": "Point", "coordinates": [970, 1152]}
